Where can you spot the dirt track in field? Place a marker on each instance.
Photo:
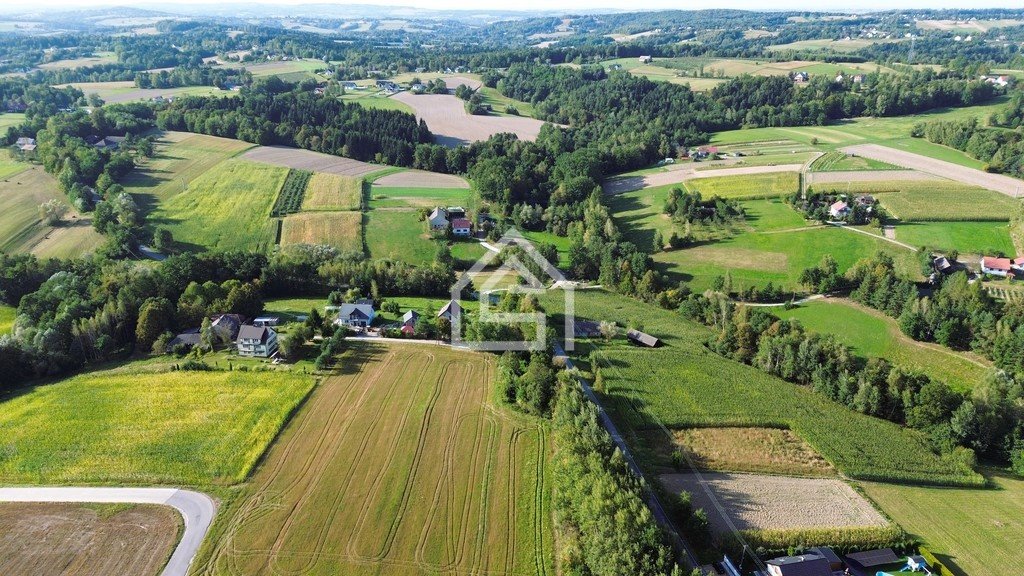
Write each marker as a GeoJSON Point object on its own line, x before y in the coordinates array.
{"type": "Point", "coordinates": [867, 176]}
{"type": "Point", "coordinates": [397, 466]}
{"type": "Point", "coordinates": [760, 502]}
{"type": "Point", "coordinates": [308, 160]}
{"type": "Point", "coordinates": [995, 182]}
{"type": "Point", "coordinates": [447, 118]}
{"type": "Point", "coordinates": [74, 539]}
{"type": "Point", "coordinates": [420, 179]}
{"type": "Point", "coordinates": [678, 176]}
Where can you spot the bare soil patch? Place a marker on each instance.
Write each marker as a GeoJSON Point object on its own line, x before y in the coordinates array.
{"type": "Point", "coordinates": [308, 160]}
{"type": "Point", "coordinates": [447, 118]}
{"type": "Point", "coordinates": [995, 182]}
{"type": "Point", "coordinates": [750, 450]}
{"type": "Point", "coordinates": [762, 502]}
{"type": "Point", "coordinates": [78, 539]}
{"type": "Point", "coordinates": [420, 179]}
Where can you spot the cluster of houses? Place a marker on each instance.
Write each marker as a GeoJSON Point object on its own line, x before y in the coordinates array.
{"type": "Point", "coordinates": [802, 77]}
{"type": "Point", "coordinates": [843, 207]}
{"type": "Point", "coordinates": [1003, 267]}
{"type": "Point", "coordinates": [256, 339]}
{"type": "Point", "coordinates": [823, 561]}
{"type": "Point", "coordinates": [359, 315]}
{"type": "Point", "coordinates": [452, 218]}
{"type": "Point", "coordinates": [1000, 80]}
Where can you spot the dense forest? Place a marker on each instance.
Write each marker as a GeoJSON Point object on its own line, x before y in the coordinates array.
{"type": "Point", "coordinates": [1000, 145]}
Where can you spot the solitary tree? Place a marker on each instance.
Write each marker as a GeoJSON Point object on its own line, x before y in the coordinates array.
{"type": "Point", "coordinates": [52, 212]}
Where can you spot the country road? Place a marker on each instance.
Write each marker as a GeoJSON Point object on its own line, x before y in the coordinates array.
{"type": "Point", "coordinates": [995, 182]}
{"type": "Point", "coordinates": [196, 509]}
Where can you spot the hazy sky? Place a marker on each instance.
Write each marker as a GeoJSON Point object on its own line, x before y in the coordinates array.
{"type": "Point", "coordinates": [579, 4]}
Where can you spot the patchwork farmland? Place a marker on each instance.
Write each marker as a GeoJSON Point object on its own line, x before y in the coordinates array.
{"type": "Point", "coordinates": [399, 465]}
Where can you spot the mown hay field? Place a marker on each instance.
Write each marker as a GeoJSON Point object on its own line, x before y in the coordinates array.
{"type": "Point", "coordinates": [745, 449]}
{"type": "Point", "coordinates": [226, 208]}
{"type": "Point", "coordinates": [193, 428]}
{"type": "Point", "coordinates": [979, 531]}
{"type": "Point", "coordinates": [872, 334]}
{"type": "Point", "coordinates": [180, 158]}
{"type": "Point", "coordinates": [770, 185]}
{"type": "Point", "coordinates": [86, 539]}
{"type": "Point", "coordinates": [414, 197]}
{"type": "Point", "coordinates": [401, 464]}
{"type": "Point", "coordinates": [23, 188]}
{"type": "Point", "coordinates": [399, 235]}
{"type": "Point", "coordinates": [332, 192]}
{"type": "Point", "coordinates": [343, 230]}
{"type": "Point", "coordinates": [684, 385]}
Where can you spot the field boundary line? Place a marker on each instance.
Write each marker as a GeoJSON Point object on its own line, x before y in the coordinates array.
{"type": "Point", "coordinates": [196, 509]}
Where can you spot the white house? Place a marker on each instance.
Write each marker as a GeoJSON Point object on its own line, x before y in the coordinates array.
{"type": "Point", "coordinates": [839, 209]}
{"type": "Point", "coordinates": [996, 266]}
{"type": "Point", "coordinates": [259, 341]}
{"type": "Point", "coordinates": [438, 219]}
{"type": "Point", "coordinates": [462, 227]}
{"type": "Point", "coordinates": [452, 308]}
{"type": "Point", "coordinates": [356, 315]}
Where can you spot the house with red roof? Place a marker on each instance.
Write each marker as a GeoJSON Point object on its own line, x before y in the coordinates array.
{"type": "Point", "coordinates": [997, 266]}
{"type": "Point", "coordinates": [1018, 265]}
{"type": "Point", "coordinates": [839, 209]}
{"type": "Point", "coordinates": [461, 227]}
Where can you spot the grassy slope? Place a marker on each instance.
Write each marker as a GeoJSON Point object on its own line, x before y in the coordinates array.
{"type": "Point", "coordinates": [684, 385]}
{"type": "Point", "coordinates": [196, 428]}
{"type": "Point", "coordinates": [974, 531]}
{"type": "Point", "coordinates": [226, 208]}
{"type": "Point", "coordinates": [872, 334]}
{"type": "Point", "coordinates": [894, 132]}
{"type": "Point", "coordinates": [404, 197]}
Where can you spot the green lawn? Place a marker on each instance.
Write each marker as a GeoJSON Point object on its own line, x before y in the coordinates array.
{"type": "Point", "coordinates": [399, 235]}
{"type": "Point", "coordinates": [973, 532]}
{"type": "Point", "coordinates": [682, 384]}
{"type": "Point", "coordinates": [772, 215]}
{"type": "Point", "coordinates": [225, 208]}
{"type": "Point", "coordinates": [132, 427]}
{"type": "Point", "coordinates": [965, 237]}
{"type": "Point", "coordinates": [756, 259]}
{"type": "Point", "coordinates": [770, 185]}
{"type": "Point", "coordinates": [499, 102]}
{"type": "Point", "coordinates": [370, 98]}
{"type": "Point", "coordinates": [11, 119]}
{"type": "Point", "coordinates": [872, 334]}
{"type": "Point", "coordinates": [411, 197]}
{"type": "Point", "coordinates": [467, 252]}
{"type": "Point", "coordinates": [561, 244]}
{"type": "Point", "coordinates": [7, 316]}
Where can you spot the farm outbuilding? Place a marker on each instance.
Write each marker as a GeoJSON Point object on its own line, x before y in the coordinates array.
{"type": "Point", "coordinates": [643, 339]}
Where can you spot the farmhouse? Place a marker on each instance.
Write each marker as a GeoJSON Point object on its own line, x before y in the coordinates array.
{"type": "Point", "coordinates": [452, 308]}
{"type": "Point", "coordinates": [409, 320]}
{"type": "Point", "coordinates": [941, 265]}
{"type": "Point", "coordinates": [801, 77]}
{"type": "Point", "coordinates": [839, 209]}
{"type": "Point", "coordinates": [388, 86]}
{"type": "Point", "coordinates": [1018, 265]}
{"type": "Point", "coordinates": [356, 315]}
{"type": "Point", "coordinates": [350, 86]}
{"type": "Point", "coordinates": [858, 78]}
{"type": "Point", "coordinates": [418, 88]}
{"type": "Point", "coordinates": [996, 266]}
{"type": "Point", "coordinates": [643, 339]}
{"type": "Point", "coordinates": [645, 59]}
{"type": "Point", "coordinates": [227, 326]}
{"type": "Point", "coordinates": [455, 212]}
{"type": "Point", "coordinates": [108, 142]}
{"type": "Point", "coordinates": [438, 219]}
{"type": "Point", "coordinates": [803, 565]}
{"type": "Point", "coordinates": [461, 227]}
{"type": "Point", "coordinates": [258, 341]}
{"type": "Point", "coordinates": [187, 338]}
{"type": "Point", "coordinates": [26, 144]}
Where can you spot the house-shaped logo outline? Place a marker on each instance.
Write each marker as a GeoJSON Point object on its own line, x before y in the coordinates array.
{"type": "Point", "coordinates": [514, 237]}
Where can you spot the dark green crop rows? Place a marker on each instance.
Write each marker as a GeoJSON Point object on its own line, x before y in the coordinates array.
{"type": "Point", "coordinates": [289, 199]}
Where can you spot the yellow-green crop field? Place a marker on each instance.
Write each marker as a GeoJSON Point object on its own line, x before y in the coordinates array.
{"type": "Point", "coordinates": [124, 426]}
{"type": "Point", "coordinates": [332, 192]}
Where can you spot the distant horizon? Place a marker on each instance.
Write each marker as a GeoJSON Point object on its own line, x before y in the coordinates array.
{"type": "Point", "coordinates": [527, 6]}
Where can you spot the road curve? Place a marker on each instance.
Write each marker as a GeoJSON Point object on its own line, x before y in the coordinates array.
{"type": "Point", "coordinates": [196, 508]}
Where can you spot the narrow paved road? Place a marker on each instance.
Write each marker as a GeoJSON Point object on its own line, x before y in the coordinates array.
{"type": "Point", "coordinates": [196, 509]}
